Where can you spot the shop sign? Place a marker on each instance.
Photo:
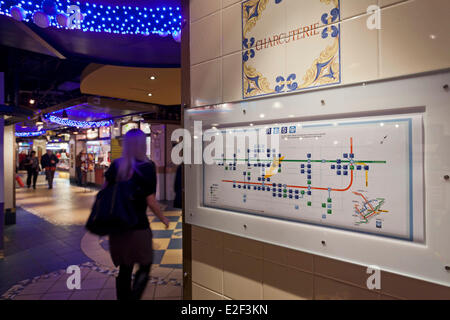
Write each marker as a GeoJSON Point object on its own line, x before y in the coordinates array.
{"type": "Point", "coordinates": [128, 126]}
{"type": "Point", "coordinates": [289, 45]}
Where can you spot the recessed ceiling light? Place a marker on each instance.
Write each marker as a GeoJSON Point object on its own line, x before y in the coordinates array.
{"type": "Point", "coordinates": [32, 101]}
{"type": "Point", "coordinates": [152, 78]}
{"type": "Point", "coordinates": [150, 94]}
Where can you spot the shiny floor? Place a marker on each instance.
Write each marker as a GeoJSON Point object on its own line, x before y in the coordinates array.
{"type": "Point", "coordinates": [49, 236]}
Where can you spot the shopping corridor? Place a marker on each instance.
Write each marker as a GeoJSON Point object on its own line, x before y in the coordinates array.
{"type": "Point", "coordinates": [49, 236]}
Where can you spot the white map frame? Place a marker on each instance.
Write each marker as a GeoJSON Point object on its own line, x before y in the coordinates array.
{"type": "Point", "coordinates": [403, 220]}
{"type": "Point", "coordinates": [421, 94]}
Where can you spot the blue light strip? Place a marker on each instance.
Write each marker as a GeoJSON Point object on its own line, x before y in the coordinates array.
{"type": "Point", "coordinates": [104, 18]}
{"type": "Point", "coordinates": [79, 124]}
{"type": "Point", "coordinates": [30, 134]}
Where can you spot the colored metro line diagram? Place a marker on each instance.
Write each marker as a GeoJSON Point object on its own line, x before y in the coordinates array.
{"type": "Point", "coordinates": [344, 167]}
{"type": "Point", "coordinates": [337, 175]}
{"type": "Point", "coordinates": [368, 208]}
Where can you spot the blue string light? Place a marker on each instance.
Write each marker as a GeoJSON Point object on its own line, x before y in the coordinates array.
{"type": "Point", "coordinates": [79, 124]}
{"type": "Point", "coordinates": [30, 134]}
{"type": "Point", "coordinates": [101, 18]}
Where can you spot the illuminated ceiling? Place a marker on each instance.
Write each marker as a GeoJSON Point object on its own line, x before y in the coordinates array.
{"type": "Point", "coordinates": [151, 85]}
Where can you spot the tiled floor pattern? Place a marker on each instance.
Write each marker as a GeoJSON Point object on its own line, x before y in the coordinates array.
{"type": "Point", "coordinates": [167, 243]}
{"type": "Point", "coordinates": [97, 283]}
{"type": "Point", "coordinates": [43, 243]}
{"type": "Point", "coordinates": [62, 205]}
{"type": "Point", "coordinates": [34, 247]}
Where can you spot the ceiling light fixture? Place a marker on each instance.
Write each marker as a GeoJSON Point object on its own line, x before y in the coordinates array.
{"type": "Point", "coordinates": [32, 101]}
{"type": "Point", "coordinates": [29, 134]}
{"type": "Point", "coordinates": [152, 78]}
{"type": "Point", "coordinates": [140, 20]}
{"type": "Point", "coordinates": [150, 94]}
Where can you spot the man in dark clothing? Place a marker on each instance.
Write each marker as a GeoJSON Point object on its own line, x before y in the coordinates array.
{"type": "Point", "coordinates": [48, 162]}
{"type": "Point", "coordinates": [32, 165]}
{"type": "Point", "coordinates": [79, 159]}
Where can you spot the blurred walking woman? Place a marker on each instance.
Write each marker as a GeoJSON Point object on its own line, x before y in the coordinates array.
{"type": "Point", "coordinates": [134, 246]}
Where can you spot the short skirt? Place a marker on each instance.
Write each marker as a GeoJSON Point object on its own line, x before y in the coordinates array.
{"type": "Point", "coordinates": [131, 247]}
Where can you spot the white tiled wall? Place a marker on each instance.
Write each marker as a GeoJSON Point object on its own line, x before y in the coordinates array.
{"type": "Point", "coordinates": [414, 38]}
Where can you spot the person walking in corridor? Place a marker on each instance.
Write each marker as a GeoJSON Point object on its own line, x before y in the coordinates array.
{"type": "Point", "coordinates": [32, 165]}
{"type": "Point", "coordinates": [80, 158]}
{"type": "Point", "coordinates": [134, 246]}
{"type": "Point", "coordinates": [49, 162]}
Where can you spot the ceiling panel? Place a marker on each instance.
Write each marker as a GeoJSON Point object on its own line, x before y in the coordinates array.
{"type": "Point", "coordinates": [133, 83]}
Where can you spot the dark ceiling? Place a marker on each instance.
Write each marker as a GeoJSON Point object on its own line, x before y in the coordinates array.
{"type": "Point", "coordinates": [46, 79]}
{"type": "Point", "coordinates": [45, 64]}
{"type": "Point", "coordinates": [104, 48]}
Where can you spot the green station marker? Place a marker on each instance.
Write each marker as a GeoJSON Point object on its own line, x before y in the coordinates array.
{"type": "Point", "coordinates": [329, 200]}
{"type": "Point", "coordinates": [329, 211]}
{"type": "Point", "coordinates": [309, 203]}
{"type": "Point", "coordinates": [324, 205]}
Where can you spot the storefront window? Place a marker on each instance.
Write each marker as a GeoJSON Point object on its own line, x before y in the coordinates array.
{"type": "Point", "coordinates": [104, 132]}
{"type": "Point", "coordinates": [146, 127]}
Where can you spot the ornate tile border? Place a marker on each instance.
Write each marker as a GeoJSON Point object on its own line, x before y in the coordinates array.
{"type": "Point", "coordinates": [325, 69]}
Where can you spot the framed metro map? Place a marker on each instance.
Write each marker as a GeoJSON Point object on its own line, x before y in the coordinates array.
{"type": "Point", "coordinates": [362, 175]}
{"type": "Point", "coordinates": [287, 48]}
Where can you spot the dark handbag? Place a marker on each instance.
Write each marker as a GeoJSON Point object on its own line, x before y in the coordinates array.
{"type": "Point", "coordinates": [113, 210]}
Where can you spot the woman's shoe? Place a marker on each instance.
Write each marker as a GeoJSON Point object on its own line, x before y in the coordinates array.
{"type": "Point", "coordinates": [123, 289]}
{"type": "Point", "coordinates": [139, 285]}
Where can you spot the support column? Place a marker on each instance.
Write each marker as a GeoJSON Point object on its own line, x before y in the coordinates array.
{"type": "Point", "coordinates": [186, 103]}
{"type": "Point", "coordinates": [9, 176]}
{"type": "Point", "coordinates": [2, 171]}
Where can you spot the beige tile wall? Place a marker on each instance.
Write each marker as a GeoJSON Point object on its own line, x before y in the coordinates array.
{"type": "Point", "coordinates": [414, 38]}
{"type": "Point", "coordinates": [228, 267]}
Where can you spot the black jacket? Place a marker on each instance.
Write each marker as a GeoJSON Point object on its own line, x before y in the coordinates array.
{"type": "Point", "coordinates": [46, 161]}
